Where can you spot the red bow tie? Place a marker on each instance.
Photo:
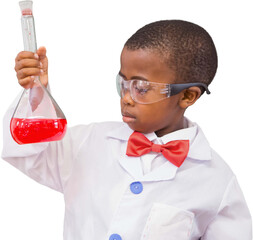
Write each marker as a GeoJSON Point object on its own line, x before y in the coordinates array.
{"type": "Point", "coordinates": [174, 151]}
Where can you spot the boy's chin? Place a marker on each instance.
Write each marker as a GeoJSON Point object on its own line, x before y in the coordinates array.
{"type": "Point", "coordinates": [137, 128]}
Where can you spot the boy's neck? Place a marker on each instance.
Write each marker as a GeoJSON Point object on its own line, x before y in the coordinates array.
{"type": "Point", "coordinates": [180, 125]}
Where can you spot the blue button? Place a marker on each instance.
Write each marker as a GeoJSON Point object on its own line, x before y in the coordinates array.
{"type": "Point", "coordinates": [136, 187]}
{"type": "Point", "coordinates": [115, 237]}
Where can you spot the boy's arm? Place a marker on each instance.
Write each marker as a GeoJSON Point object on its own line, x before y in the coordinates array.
{"type": "Point", "coordinates": [233, 220]}
{"type": "Point", "coordinates": [47, 163]}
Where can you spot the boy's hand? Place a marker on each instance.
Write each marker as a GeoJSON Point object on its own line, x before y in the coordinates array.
{"type": "Point", "coordinates": [29, 64]}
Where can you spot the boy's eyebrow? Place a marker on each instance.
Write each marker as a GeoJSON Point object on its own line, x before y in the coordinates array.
{"type": "Point", "coordinates": [133, 77]}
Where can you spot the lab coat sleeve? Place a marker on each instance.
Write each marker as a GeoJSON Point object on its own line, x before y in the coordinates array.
{"type": "Point", "coordinates": [233, 220]}
{"type": "Point", "coordinates": [51, 163]}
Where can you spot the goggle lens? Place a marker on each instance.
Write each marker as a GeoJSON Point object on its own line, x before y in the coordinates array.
{"type": "Point", "coordinates": [146, 92]}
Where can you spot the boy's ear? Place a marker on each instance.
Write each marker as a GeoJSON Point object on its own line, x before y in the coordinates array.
{"type": "Point", "coordinates": [189, 97]}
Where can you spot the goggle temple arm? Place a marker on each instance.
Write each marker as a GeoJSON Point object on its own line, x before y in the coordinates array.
{"type": "Point", "coordinates": [177, 88]}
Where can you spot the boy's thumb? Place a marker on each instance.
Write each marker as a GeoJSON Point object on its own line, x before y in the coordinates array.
{"type": "Point", "coordinates": [42, 52]}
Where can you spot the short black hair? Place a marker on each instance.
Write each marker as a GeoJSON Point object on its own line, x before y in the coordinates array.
{"type": "Point", "coordinates": [187, 48]}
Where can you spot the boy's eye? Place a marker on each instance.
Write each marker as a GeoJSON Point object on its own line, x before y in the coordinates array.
{"type": "Point", "coordinates": [141, 91]}
{"type": "Point", "coordinates": [141, 87]}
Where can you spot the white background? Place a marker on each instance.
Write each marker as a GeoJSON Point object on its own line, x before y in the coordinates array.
{"type": "Point", "coordinates": [84, 40]}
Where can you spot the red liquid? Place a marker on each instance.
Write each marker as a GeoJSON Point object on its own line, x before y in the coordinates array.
{"type": "Point", "coordinates": [33, 130]}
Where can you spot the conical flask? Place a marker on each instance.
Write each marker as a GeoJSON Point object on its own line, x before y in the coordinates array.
{"type": "Point", "coordinates": [37, 117]}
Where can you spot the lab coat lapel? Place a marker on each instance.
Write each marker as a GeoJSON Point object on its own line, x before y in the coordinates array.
{"type": "Point", "coordinates": [132, 165]}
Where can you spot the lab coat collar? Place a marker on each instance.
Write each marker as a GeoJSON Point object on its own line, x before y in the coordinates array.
{"type": "Point", "coordinates": [123, 132]}
{"type": "Point", "coordinates": [199, 151]}
{"type": "Point", "coordinates": [199, 146]}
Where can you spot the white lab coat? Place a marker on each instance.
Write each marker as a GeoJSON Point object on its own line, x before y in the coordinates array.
{"type": "Point", "coordinates": [110, 196]}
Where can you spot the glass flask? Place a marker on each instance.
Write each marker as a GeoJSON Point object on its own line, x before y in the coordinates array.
{"type": "Point", "coordinates": [37, 117]}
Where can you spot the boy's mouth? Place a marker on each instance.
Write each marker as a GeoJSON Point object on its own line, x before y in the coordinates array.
{"type": "Point", "coordinates": [127, 117]}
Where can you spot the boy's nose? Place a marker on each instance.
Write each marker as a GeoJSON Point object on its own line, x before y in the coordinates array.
{"type": "Point", "coordinates": [127, 99]}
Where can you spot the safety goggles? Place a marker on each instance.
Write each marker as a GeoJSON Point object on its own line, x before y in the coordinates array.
{"type": "Point", "coordinates": [145, 92]}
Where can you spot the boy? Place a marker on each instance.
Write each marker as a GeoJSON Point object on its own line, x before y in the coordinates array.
{"type": "Point", "coordinates": [154, 176]}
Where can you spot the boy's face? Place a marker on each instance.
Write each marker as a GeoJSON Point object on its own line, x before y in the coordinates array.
{"type": "Point", "coordinates": [161, 117]}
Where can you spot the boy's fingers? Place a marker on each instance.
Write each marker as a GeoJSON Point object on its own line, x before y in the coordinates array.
{"type": "Point", "coordinates": [27, 72]}
{"type": "Point", "coordinates": [27, 63]}
{"type": "Point", "coordinates": [26, 54]}
{"type": "Point", "coordinates": [26, 82]}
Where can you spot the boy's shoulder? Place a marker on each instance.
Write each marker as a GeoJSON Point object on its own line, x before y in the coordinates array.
{"type": "Point", "coordinates": [219, 168]}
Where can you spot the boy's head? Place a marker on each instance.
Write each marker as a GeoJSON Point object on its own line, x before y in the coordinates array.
{"type": "Point", "coordinates": [187, 48]}
{"type": "Point", "coordinates": [156, 56]}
